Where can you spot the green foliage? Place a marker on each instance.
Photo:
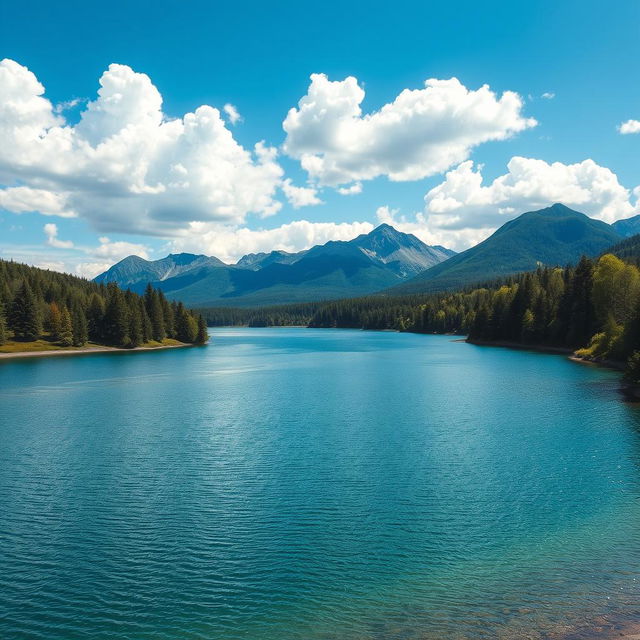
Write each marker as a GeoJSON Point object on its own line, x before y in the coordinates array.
{"type": "Point", "coordinates": [24, 319]}
{"type": "Point", "coordinates": [66, 328]}
{"type": "Point", "coordinates": [202, 335]}
{"type": "Point", "coordinates": [79, 326]}
{"type": "Point", "coordinates": [3, 325]}
{"type": "Point", "coordinates": [632, 373]}
{"type": "Point", "coordinates": [186, 325]}
{"type": "Point", "coordinates": [75, 310]}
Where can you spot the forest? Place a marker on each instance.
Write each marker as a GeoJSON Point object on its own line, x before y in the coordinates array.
{"type": "Point", "coordinates": [592, 307]}
{"type": "Point", "coordinates": [61, 310]}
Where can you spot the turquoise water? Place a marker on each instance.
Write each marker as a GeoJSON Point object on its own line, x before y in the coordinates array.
{"type": "Point", "coordinates": [316, 484]}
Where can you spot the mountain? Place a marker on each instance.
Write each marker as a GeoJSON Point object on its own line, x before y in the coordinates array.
{"type": "Point", "coordinates": [134, 269]}
{"type": "Point", "coordinates": [371, 262]}
{"type": "Point", "coordinates": [627, 250]}
{"type": "Point", "coordinates": [404, 253]}
{"type": "Point", "coordinates": [628, 227]}
{"type": "Point", "coordinates": [256, 261]}
{"type": "Point", "coordinates": [556, 235]}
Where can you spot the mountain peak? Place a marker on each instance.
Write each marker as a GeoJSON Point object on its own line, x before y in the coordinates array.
{"type": "Point", "coordinates": [556, 235]}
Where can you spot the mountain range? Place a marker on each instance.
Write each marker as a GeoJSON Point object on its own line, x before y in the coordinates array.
{"type": "Point", "coordinates": [555, 235]}
{"type": "Point", "coordinates": [384, 260]}
{"type": "Point", "coordinates": [371, 262]}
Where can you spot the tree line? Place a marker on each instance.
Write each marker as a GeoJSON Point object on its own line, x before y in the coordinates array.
{"type": "Point", "coordinates": [592, 307]}
{"type": "Point", "coordinates": [285, 315]}
{"type": "Point", "coordinates": [71, 311]}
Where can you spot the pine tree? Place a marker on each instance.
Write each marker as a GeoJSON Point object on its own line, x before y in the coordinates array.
{"type": "Point", "coordinates": [79, 326]}
{"type": "Point", "coordinates": [116, 317]}
{"type": "Point", "coordinates": [3, 326]}
{"type": "Point", "coordinates": [135, 326]}
{"type": "Point", "coordinates": [95, 317]}
{"type": "Point", "coordinates": [147, 329]}
{"type": "Point", "coordinates": [24, 318]}
{"type": "Point", "coordinates": [55, 321]}
{"type": "Point", "coordinates": [186, 325]}
{"type": "Point", "coordinates": [202, 336]}
{"type": "Point", "coordinates": [154, 309]}
{"type": "Point", "coordinates": [167, 316]}
{"type": "Point", "coordinates": [66, 328]}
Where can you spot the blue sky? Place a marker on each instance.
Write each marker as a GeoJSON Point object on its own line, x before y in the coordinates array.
{"type": "Point", "coordinates": [573, 66]}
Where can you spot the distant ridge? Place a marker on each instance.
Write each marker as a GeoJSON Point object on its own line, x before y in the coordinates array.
{"type": "Point", "coordinates": [555, 235]}
{"type": "Point", "coordinates": [371, 262]}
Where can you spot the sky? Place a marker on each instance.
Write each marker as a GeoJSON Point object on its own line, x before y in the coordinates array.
{"type": "Point", "coordinates": [151, 128]}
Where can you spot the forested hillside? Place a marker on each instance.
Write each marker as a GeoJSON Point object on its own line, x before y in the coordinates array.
{"type": "Point", "coordinates": [593, 307]}
{"type": "Point", "coordinates": [59, 310]}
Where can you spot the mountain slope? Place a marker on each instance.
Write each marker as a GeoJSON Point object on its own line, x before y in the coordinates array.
{"type": "Point", "coordinates": [628, 227]}
{"type": "Point", "coordinates": [133, 269]}
{"type": "Point", "coordinates": [405, 254]}
{"type": "Point", "coordinates": [371, 262]}
{"type": "Point", "coordinates": [556, 235]}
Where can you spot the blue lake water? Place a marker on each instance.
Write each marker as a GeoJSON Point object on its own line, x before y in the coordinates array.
{"type": "Point", "coordinates": [316, 484]}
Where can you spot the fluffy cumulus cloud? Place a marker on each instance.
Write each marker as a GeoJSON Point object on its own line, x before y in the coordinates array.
{"type": "Point", "coordinates": [98, 259]}
{"type": "Point", "coordinates": [462, 200]}
{"type": "Point", "coordinates": [125, 165]}
{"type": "Point", "coordinates": [300, 196]}
{"type": "Point", "coordinates": [462, 211]}
{"type": "Point", "coordinates": [51, 231]}
{"type": "Point", "coordinates": [421, 133]}
{"type": "Point", "coordinates": [23, 199]}
{"type": "Point", "coordinates": [231, 243]}
{"type": "Point", "coordinates": [630, 126]}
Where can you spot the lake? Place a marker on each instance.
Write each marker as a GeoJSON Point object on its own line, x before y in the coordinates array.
{"type": "Point", "coordinates": [316, 484]}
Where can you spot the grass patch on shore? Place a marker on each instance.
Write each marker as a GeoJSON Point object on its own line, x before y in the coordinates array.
{"type": "Point", "coordinates": [47, 344]}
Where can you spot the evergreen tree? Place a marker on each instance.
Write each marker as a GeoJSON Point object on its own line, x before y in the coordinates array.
{"type": "Point", "coordinates": [136, 337]}
{"type": "Point", "coordinates": [147, 329]}
{"type": "Point", "coordinates": [66, 328]}
{"type": "Point", "coordinates": [79, 326]}
{"type": "Point", "coordinates": [116, 317]}
{"type": "Point", "coordinates": [203, 335]}
{"type": "Point", "coordinates": [95, 317]}
{"type": "Point", "coordinates": [154, 309]}
{"type": "Point", "coordinates": [55, 321]}
{"type": "Point", "coordinates": [3, 326]}
{"type": "Point", "coordinates": [186, 325]}
{"type": "Point", "coordinates": [24, 319]}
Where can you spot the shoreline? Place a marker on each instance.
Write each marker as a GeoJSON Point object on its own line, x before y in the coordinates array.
{"type": "Point", "coordinates": [629, 390]}
{"type": "Point", "coordinates": [83, 351]}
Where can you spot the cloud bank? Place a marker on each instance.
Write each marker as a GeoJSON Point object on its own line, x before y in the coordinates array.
{"type": "Point", "coordinates": [126, 166]}
{"type": "Point", "coordinates": [421, 133]}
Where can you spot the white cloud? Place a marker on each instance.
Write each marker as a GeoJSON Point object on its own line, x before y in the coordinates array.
{"type": "Point", "coordinates": [105, 255]}
{"type": "Point", "coordinates": [88, 270]}
{"type": "Point", "coordinates": [232, 113]}
{"type": "Point", "coordinates": [421, 133]}
{"type": "Point", "coordinates": [461, 211]}
{"type": "Point", "coordinates": [630, 126]}
{"type": "Point", "coordinates": [231, 243]}
{"type": "Point", "coordinates": [65, 105]}
{"type": "Point", "coordinates": [355, 188]}
{"type": "Point", "coordinates": [300, 196]}
{"type": "Point", "coordinates": [548, 95]}
{"type": "Point", "coordinates": [463, 201]}
{"type": "Point", "coordinates": [117, 250]}
{"type": "Point", "coordinates": [24, 199]}
{"type": "Point", "coordinates": [125, 166]}
{"type": "Point", "coordinates": [51, 231]}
